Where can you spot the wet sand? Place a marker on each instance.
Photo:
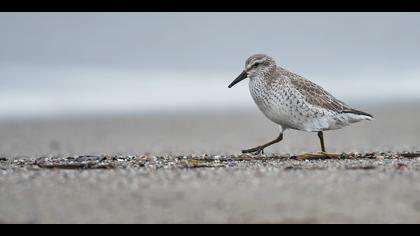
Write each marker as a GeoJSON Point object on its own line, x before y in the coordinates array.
{"type": "Point", "coordinates": [383, 188]}
{"type": "Point", "coordinates": [395, 128]}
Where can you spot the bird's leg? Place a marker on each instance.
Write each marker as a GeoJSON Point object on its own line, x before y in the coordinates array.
{"type": "Point", "coordinates": [260, 149]}
{"type": "Point", "coordinates": [321, 139]}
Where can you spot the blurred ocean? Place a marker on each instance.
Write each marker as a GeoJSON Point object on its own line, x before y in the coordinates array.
{"type": "Point", "coordinates": [77, 91]}
{"type": "Point", "coordinates": [54, 64]}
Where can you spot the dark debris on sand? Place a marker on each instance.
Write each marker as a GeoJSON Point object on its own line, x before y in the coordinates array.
{"type": "Point", "coordinates": [190, 161]}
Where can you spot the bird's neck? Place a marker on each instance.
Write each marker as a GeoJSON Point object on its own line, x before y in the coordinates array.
{"type": "Point", "coordinates": [263, 78]}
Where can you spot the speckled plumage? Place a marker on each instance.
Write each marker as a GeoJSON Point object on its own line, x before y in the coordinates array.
{"type": "Point", "coordinates": [294, 102]}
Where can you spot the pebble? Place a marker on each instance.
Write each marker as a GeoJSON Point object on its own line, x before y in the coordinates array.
{"type": "Point", "coordinates": [140, 158]}
{"type": "Point", "coordinates": [35, 167]}
{"type": "Point", "coordinates": [380, 158]}
{"type": "Point", "coordinates": [89, 158]}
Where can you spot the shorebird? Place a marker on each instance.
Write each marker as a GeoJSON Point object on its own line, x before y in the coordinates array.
{"type": "Point", "coordinates": [293, 102]}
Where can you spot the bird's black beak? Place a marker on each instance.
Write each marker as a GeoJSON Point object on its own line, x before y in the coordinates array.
{"type": "Point", "coordinates": [241, 77]}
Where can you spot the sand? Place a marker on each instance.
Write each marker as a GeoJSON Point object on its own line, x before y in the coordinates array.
{"type": "Point", "coordinates": [283, 190]}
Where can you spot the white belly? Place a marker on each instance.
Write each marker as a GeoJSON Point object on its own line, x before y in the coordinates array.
{"type": "Point", "coordinates": [310, 120]}
{"type": "Point", "coordinates": [292, 112]}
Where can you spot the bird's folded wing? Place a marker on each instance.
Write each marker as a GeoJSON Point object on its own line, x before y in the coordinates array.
{"type": "Point", "coordinates": [317, 96]}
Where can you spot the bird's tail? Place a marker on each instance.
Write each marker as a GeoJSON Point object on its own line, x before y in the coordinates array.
{"type": "Point", "coordinates": [362, 115]}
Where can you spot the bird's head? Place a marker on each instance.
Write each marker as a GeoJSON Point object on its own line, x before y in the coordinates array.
{"type": "Point", "coordinates": [256, 65]}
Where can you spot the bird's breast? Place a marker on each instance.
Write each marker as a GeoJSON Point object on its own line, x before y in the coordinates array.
{"type": "Point", "coordinates": [282, 105]}
{"type": "Point", "coordinates": [271, 100]}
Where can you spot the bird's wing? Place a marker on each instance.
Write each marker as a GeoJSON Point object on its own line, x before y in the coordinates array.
{"type": "Point", "coordinates": [317, 96]}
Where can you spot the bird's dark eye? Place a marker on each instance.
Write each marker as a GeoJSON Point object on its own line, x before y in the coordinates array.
{"type": "Point", "coordinates": [256, 64]}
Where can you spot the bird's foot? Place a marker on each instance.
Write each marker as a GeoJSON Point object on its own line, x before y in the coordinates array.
{"type": "Point", "coordinates": [256, 151]}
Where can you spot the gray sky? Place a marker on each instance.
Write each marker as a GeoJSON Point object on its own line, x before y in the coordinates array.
{"type": "Point", "coordinates": [212, 41]}
{"type": "Point", "coordinates": [325, 47]}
